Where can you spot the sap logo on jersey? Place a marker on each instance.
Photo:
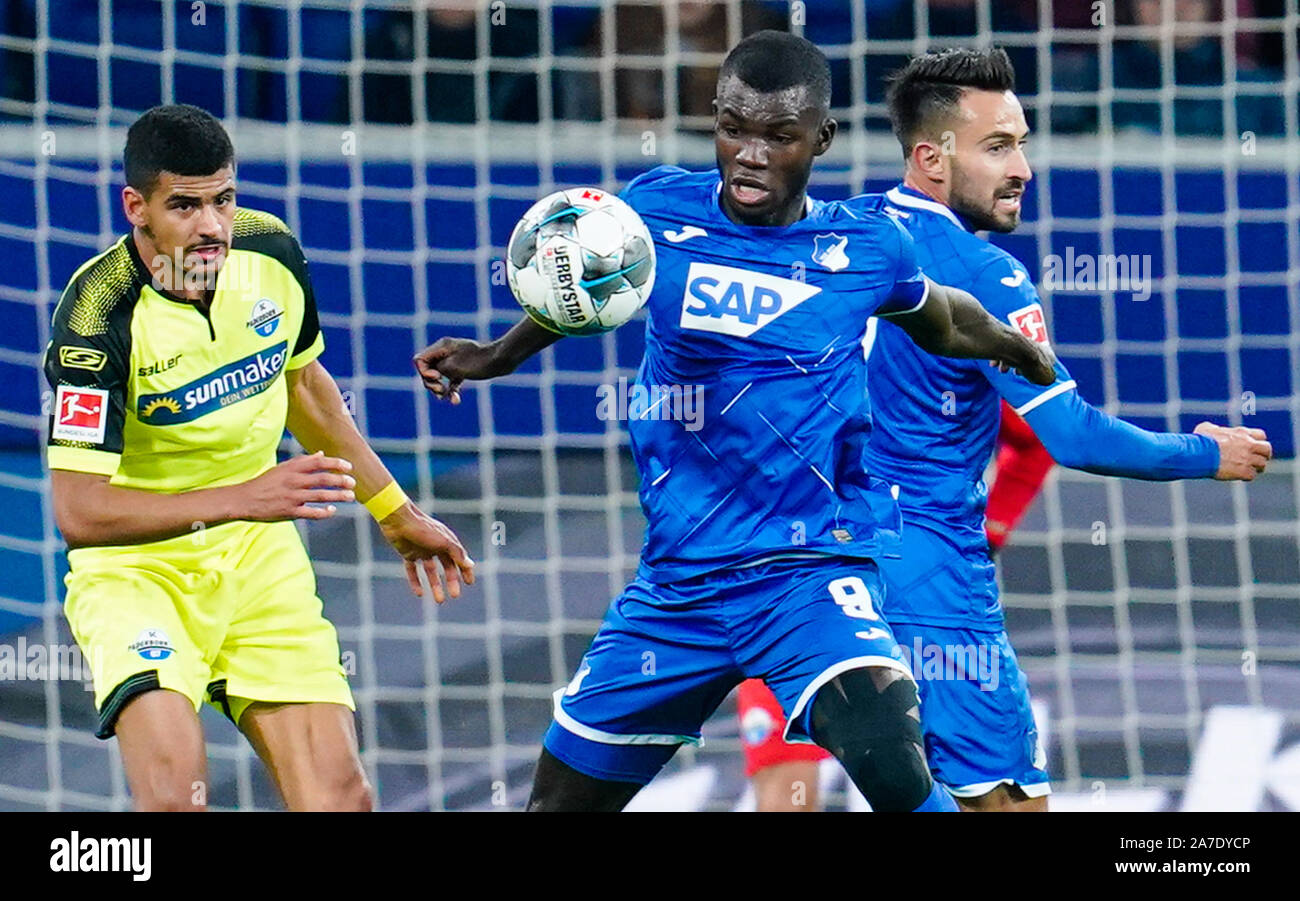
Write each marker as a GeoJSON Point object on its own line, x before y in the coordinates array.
{"type": "Point", "coordinates": [738, 302]}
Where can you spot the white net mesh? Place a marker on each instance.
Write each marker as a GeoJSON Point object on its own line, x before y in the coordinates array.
{"type": "Point", "coordinates": [401, 145]}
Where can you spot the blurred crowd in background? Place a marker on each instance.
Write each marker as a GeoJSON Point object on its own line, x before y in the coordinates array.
{"type": "Point", "coordinates": [327, 65]}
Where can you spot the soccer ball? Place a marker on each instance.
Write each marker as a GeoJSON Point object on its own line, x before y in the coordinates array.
{"type": "Point", "coordinates": [581, 262]}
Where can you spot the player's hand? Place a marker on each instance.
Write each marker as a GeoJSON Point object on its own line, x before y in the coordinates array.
{"type": "Point", "coordinates": [424, 542]}
{"type": "Point", "coordinates": [449, 361]}
{"type": "Point", "coordinates": [1031, 359]}
{"type": "Point", "coordinates": [285, 491]}
{"type": "Point", "coordinates": [1243, 452]}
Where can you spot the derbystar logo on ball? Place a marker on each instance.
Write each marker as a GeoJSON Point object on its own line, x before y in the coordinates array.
{"type": "Point", "coordinates": [580, 261]}
{"type": "Point", "coordinates": [559, 267]}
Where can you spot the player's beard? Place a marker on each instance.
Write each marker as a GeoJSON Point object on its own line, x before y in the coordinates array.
{"type": "Point", "coordinates": [981, 212]}
{"type": "Point", "coordinates": [203, 274]}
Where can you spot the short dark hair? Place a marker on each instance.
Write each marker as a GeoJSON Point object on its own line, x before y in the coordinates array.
{"type": "Point", "coordinates": [770, 61]}
{"type": "Point", "coordinates": [931, 85]}
{"type": "Point", "coordinates": [180, 138]}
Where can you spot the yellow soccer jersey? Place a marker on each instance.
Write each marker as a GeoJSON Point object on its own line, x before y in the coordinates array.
{"type": "Point", "coordinates": [160, 396]}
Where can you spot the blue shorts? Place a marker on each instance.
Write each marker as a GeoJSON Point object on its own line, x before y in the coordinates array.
{"type": "Point", "coordinates": [666, 655]}
{"type": "Point", "coordinates": [975, 711]}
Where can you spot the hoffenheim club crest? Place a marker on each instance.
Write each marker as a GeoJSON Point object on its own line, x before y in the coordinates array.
{"type": "Point", "coordinates": [828, 251]}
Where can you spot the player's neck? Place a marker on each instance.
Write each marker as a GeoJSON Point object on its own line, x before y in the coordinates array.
{"type": "Point", "coordinates": [163, 272]}
{"type": "Point", "coordinates": [924, 186]}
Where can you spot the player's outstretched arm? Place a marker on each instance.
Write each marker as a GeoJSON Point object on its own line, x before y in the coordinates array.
{"type": "Point", "coordinates": [91, 512]}
{"type": "Point", "coordinates": [447, 362]}
{"type": "Point", "coordinates": [320, 421]}
{"type": "Point", "coordinates": [952, 323]}
{"type": "Point", "coordinates": [1080, 436]}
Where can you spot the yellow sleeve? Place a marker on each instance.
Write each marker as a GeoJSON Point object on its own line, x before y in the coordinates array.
{"type": "Point", "coordinates": [83, 459]}
{"type": "Point", "coordinates": [302, 358]}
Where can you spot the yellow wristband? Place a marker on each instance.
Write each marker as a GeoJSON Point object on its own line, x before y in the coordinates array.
{"type": "Point", "coordinates": [389, 499]}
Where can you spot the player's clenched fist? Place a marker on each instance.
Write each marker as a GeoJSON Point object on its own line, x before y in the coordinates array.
{"type": "Point", "coordinates": [1029, 358]}
{"type": "Point", "coordinates": [424, 541]}
{"type": "Point", "coordinates": [450, 361]}
{"type": "Point", "coordinates": [1243, 452]}
{"type": "Point", "coordinates": [284, 491]}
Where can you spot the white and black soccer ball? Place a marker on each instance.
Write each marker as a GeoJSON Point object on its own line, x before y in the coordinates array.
{"type": "Point", "coordinates": [581, 262]}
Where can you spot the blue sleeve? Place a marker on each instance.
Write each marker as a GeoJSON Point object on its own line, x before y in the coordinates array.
{"type": "Point", "coordinates": [909, 291]}
{"type": "Point", "coordinates": [1080, 436]}
{"type": "Point", "coordinates": [1075, 433]}
{"type": "Point", "coordinates": [1005, 289]}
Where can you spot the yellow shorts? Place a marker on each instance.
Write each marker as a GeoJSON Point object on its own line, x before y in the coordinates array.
{"type": "Point", "coordinates": [227, 614]}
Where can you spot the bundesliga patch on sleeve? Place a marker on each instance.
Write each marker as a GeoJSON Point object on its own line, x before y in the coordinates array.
{"type": "Point", "coordinates": [1029, 320]}
{"type": "Point", "coordinates": [81, 414]}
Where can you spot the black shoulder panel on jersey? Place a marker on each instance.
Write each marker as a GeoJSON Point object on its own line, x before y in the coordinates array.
{"type": "Point", "coordinates": [90, 340]}
{"type": "Point", "coordinates": [104, 292]}
{"type": "Point", "coordinates": [263, 233]}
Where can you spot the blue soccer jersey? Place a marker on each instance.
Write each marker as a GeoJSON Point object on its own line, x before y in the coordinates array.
{"type": "Point", "coordinates": [935, 427]}
{"type": "Point", "coordinates": [935, 435]}
{"type": "Point", "coordinates": [762, 326]}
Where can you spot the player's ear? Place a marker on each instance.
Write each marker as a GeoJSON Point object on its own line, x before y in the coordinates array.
{"type": "Point", "coordinates": [825, 135]}
{"type": "Point", "coordinates": [929, 160]}
{"type": "Point", "coordinates": [133, 205]}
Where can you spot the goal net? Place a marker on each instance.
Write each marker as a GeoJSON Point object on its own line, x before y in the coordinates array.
{"type": "Point", "coordinates": [1159, 624]}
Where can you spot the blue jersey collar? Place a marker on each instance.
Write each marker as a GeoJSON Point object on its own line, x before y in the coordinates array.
{"type": "Point", "coordinates": [904, 196]}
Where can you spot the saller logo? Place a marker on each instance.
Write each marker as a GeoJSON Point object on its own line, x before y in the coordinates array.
{"type": "Point", "coordinates": [559, 268]}
{"type": "Point", "coordinates": [159, 366]}
{"type": "Point", "coordinates": [738, 302]}
{"type": "Point", "coordinates": [228, 385]}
